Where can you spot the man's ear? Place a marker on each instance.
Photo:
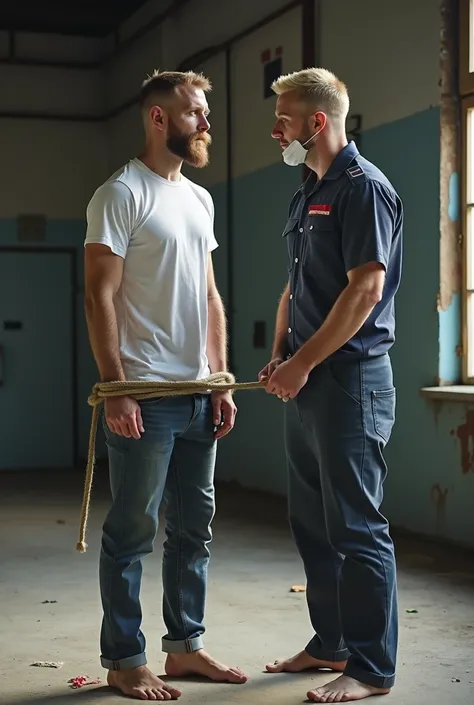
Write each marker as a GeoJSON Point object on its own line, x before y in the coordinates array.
{"type": "Point", "coordinates": [319, 120]}
{"type": "Point", "coordinates": [157, 116]}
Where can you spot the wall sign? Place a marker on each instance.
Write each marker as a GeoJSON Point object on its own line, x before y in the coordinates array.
{"type": "Point", "coordinates": [272, 69]}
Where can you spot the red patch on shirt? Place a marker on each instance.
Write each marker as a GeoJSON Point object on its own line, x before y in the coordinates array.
{"type": "Point", "coordinates": [319, 209]}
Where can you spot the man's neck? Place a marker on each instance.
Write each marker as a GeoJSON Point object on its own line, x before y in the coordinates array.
{"type": "Point", "coordinates": [162, 162]}
{"type": "Point", "coordinates": [321, 157]}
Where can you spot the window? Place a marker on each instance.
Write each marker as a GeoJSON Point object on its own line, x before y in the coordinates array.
{"type": "Point", "coordinates": [466, 90]}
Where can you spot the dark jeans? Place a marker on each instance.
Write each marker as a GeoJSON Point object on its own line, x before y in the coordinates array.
{"type": "Point", "coordinates": [336, 430]}
{"type": "Point", "coordinates": [174, 459]}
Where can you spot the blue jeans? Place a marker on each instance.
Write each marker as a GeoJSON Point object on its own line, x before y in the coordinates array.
{"type": "Point", "coordinates": [173, 460]}
{"type": "Point", "coordinates": [336, 431]}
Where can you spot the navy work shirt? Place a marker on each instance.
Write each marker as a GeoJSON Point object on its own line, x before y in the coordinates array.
{"type": "Point", "coordinates": [350, 217]}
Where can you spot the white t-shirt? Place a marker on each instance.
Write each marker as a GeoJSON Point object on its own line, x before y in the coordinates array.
{"type": "Point", "coordinates": [164, 230]}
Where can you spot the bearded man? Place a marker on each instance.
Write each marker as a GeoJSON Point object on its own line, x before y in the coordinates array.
{"type": "Point", "coordinates": [154, 313]}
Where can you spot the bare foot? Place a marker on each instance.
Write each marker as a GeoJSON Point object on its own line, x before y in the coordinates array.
{"type": "Point", "coordinates": [303, 662]}
{"type": "Point", "coordinates": [343, 690]}
{"type": "Point", "coordinates": [199, 663]}
{"type": "Point", "coordinates": [141, 683]}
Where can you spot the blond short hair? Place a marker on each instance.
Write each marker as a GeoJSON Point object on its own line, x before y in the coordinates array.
{"type": "Point", "coordinates": [162, 83]}
{"type": "Point", "coordinates": [319, 87]}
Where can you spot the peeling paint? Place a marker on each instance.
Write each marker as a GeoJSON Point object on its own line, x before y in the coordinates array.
{"type": "Point", "coordinates": [450, 255]}
{"type": "Point", "coordinates": [465, 434]}
{"type": "Point", "coordinates": [437, 408]}
{"type": "Point", "coordinates": [438, 497]}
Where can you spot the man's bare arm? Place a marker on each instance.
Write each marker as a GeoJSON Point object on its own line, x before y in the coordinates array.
{"type": "Point", "coordinates": [224, 409]}
{"type": "Point", "coordinates": [103, 276]}
{"type": "Point", "coordinates": [347, 316]}
{"type": "Point", "coordinates": [217, 329]}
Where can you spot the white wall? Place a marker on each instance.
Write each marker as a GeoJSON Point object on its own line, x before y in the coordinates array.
{"type": "Point", "coordinates": [253, 116]}
{"type": "Point", "coordinates": [197, 26]}
{"type": "Point", "coordinates": [48, 90]}
{"type": "Point", "coordinates": [204, 24]}
{"type": "Point", "coordinates": [387, 54]}
{"type": "Point", "coordinates": [124, 137]}
{"type": "Point", "coordinates": [124, 74]}
{"type": "Point", "coordinates": [359, 41]}
{"type": "Point", "coordinates": [55, 47]}
{"type": "Point", "coordinates": [51, 166]}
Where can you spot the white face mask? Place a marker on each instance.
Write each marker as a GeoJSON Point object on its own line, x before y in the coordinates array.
{"type": "Point", "coordinates": [295, 154]}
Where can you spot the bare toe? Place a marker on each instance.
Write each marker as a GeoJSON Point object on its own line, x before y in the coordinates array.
{"type": "Point", "coordinates": [344, 689]}
{"type": "Point", "coordinates": [174, 693]}
{"type": "Point", "coordinates": [142, 684]}
{"type": "Point", "coordinates": [201, 664]}
{"type": "Point", "coordinates": [304, 662]}
{"type": "Point", "coordinates": [275, 667]}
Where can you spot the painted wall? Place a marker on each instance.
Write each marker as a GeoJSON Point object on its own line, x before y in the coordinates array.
{"type": "Point", "coordinates": [430, 478]}
{"type": "Point", "coordinates": [51, 166]}
{"type": "Point", "coordinates": [397, 94]}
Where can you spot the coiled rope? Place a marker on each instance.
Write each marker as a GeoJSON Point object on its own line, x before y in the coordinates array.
{"type": "Point", "coordinates": [220, 381]}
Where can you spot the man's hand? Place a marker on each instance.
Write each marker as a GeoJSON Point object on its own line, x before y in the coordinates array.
{"type": "Point", "coordinates": [269, 369]}
{"type": "Point", "coordinates": [288, 379]}
{"type": "Point", "coordinates": [224, 411]}
{"type": "Point", "coordinates": [124, 416]}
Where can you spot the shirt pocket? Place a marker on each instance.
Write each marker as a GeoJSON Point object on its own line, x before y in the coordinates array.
{"type": "Point", "coordinates": [317, 224]}
{"type": "Point", "coordinates": [291, 232]}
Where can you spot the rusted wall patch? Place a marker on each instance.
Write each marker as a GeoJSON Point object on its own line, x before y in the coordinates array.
{"type": "Point", "coordinates": [465, 434]}
{"type": "Point", "coordinates": [450, 250]}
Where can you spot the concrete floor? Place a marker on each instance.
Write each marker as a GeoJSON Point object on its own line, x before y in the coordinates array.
{"type": "Point", "coordinates": [252, 615]}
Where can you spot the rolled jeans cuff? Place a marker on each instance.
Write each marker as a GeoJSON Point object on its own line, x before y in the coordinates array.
{"type": "Point", "coordinates": [124, 663]}
{"type": "Point", "coordinates": [186, 646]}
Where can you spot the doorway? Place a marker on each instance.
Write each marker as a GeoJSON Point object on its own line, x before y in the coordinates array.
{"type": "Point", "coordinates": [38, 400]}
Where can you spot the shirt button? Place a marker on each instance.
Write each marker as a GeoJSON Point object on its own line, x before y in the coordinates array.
{"type": "Point", "coordinates": [289, 330]}
{"type": "Point", "coordinates": [296, 259]}
{"type": "Point", "coordinates": [310, 227]}
{"type": "Point", "coordinates": [291, 296]}
{"type": "Point", "coordinates": [301, 230]}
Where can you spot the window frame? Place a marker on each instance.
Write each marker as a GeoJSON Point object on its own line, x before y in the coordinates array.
{"type": "Point", "coordinates": [467, 107]}
{"type": "Point", "coordinates": [466, 77]}
{"type": "Point", "coordinates": [466, 95]}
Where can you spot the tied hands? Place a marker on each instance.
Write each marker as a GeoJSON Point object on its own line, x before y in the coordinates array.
{"type": "Point", "coordinates": [224, 411]}
{"type": "Point", "coordinates": [284, 379]}
{"type": "Point", "coordinates": [124, 417]}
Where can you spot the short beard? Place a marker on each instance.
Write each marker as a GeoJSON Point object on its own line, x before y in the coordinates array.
{"type": "Point", "coordinates": [193, 149]}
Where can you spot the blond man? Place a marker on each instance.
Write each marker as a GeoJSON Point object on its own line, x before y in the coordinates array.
{"type": "Point", "coordinates": [334, 330]}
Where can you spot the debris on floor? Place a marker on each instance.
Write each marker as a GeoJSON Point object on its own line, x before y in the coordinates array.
{"type": "Point", "coordinates": [298, 588]}
{"type": "Point", "coordinates": [80, 681]}
{"type": "Point", "coordinates": [48, 664]}
{"type": "Point", "coordinates": [49, 602]}
{"type": "Point", "coordinates": [412, 611]}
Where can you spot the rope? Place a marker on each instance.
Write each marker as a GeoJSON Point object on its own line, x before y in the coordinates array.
{"type": "Point", "coordinates": [220, 381]}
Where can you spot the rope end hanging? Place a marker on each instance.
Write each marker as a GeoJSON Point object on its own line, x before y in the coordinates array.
{"type": "Point", "coordinates": [141, 390]}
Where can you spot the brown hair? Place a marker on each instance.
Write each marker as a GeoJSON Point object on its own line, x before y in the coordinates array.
{"type": "Point", "coordinates": [164, 83]}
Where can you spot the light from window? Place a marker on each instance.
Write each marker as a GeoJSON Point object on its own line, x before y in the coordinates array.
{"type": "Point", "coordinates": [471, 36]}
{"type": "Point", "coordinates": [469, 195]}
